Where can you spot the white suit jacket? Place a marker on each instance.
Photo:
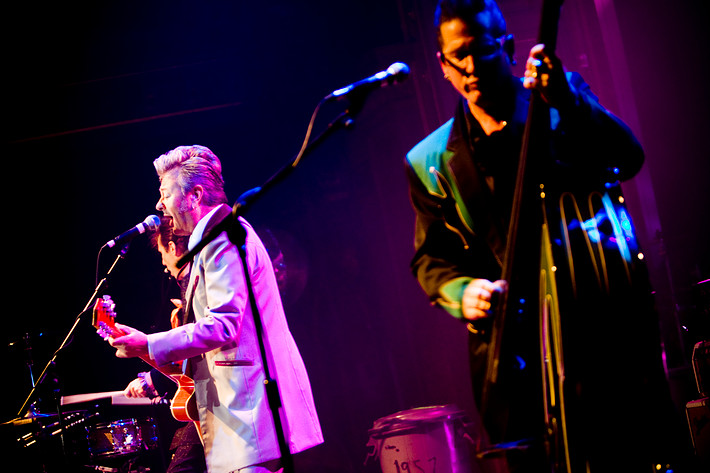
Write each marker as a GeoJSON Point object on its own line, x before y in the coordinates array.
{"type": "Point", "coordinates": [224, 358]}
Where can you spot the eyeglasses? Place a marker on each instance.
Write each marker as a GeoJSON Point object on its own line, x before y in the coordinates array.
{"type": "Point", "coordinates": [485, 50]}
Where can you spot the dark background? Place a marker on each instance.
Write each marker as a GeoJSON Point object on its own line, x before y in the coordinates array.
{"type": "Point", "coordinates": [95, 91]}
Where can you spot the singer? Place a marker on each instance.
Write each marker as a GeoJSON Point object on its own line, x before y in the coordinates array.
{"type": "Point", "coordinates": [219, 339]}
{"type": "Point", "coordinates": [462, 181]}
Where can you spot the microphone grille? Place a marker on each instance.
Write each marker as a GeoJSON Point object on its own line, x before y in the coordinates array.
{"type": "Point", "coordinates": [399, 70]}
{"type": "Point", "coordinates": [152, 222]}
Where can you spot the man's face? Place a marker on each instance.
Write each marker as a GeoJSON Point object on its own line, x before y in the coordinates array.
{"type": "Point", "coordinates": [175, 205]}
{"type": "Point", "coordinates": [476, 65]}
{"type": "Point", "coordinates": [169, 257]}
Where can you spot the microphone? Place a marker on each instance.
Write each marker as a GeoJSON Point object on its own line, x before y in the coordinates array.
{"type": "Point", "coordinates": [397, 72]}
{"type": "Point", "coordinates": [151, 222]}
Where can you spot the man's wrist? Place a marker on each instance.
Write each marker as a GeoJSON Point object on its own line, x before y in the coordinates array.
{"type": "Point", "coordinates": [147, 384]}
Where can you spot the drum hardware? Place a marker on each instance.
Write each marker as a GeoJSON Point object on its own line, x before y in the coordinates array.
{"type": "Point", "coordinates": [698, 416]}
{"type": "Point", "coordinates": [121, 437]}
{"type": "Point", "coordinates": [500, 450]}
{"type": "Point", "coordinates": [128, 467]}
{"type": "Point", "coordinates": [697, 411]}
{"type": "Point", "coordinates": [105, 469]}
{"type": "Point", "coordinates": [701, 367]}
{"type": "Point", "coordinates": [102, 446]}
{"type": "Point", "coordinates": [71, 420]}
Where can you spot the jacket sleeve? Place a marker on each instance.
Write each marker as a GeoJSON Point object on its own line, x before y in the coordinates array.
{"type": "Point", "coordinates": [445, 261]}
{"type": "Point", "coordinates": [594, 141]}
{"type": "Point", "coordinates": [220, 270]}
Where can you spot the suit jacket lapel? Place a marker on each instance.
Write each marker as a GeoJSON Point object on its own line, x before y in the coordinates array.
{"type": "Point", "coordinates": [222, 212]}
{"type": "Point", "coordinates": [475, 196]}
{"type": "Point", "coordinates": [188, 313]}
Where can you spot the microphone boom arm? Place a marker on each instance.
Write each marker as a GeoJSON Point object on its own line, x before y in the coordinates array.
{"type": "Point", "coordinates": [240, 207]}
{"type": "Point", "coordinates": [356, 94]}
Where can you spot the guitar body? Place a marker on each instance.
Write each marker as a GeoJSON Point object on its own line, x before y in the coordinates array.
{"type": "Point", "coordinates": [183, 405]}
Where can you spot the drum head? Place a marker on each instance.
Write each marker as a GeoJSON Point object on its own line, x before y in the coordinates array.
{"type": "Point", "coordinates": [415, 418]}
{"type": "Point", "coordinates": [425, 439]}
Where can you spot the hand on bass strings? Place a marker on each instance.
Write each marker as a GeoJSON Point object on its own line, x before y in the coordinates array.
{"type": "Point", "coordinates": [478, 298]}
{"type": "Point", "coordinates": [544, 73]}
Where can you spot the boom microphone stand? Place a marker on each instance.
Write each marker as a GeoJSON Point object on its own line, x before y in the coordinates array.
{"type": "Point", "coordinates": [237, 233]}
{"type": "Point", "coordinates": [67, 340]}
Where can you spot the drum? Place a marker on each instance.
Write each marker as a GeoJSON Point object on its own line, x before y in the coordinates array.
{"type": "Point", "coordinates": [701, 367]}
{"type": "Point", "coordinates": [424, 440]}
{"type": "Point", "coordinates": [122, 437]}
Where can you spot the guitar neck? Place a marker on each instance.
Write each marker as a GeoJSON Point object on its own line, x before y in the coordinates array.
{"type": "Point", "coordinates": [172, 371]}
{"type": "Point", "coordinates": [104, 322]}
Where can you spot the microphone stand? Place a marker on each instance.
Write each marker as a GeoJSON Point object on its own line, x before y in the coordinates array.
{"type": "Point", "coordinates": [43, 376]}
{"type": "Point", "coordinates": [344, 120]}
{"type": "Point", "coordinates": [237, 235]}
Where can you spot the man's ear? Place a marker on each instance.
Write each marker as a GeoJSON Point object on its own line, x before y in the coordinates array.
{"type": "Point", "coordinates": [509, 47]}
{"type": "Point", "coordinates": [172, 249]}
{"type": "Point", "coordinates": [197, 194]}
{"type": "Point", "coordinates": [442, 62]}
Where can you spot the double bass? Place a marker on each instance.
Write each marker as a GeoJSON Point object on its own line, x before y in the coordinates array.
{"type": "Point", "coordinates": [597, 337]}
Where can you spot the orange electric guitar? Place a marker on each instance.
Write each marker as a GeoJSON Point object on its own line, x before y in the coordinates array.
{"type": "Point", "coordinates": [183, 405]}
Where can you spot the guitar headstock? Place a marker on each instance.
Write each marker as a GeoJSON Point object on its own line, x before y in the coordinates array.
{"type": "Point", "coordinates": [104, 316]}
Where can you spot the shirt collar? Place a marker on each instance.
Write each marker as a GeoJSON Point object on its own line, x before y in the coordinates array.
{"type": "Point", "coordinates": [196, 234]}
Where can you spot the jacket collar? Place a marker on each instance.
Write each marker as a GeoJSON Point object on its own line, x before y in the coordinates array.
{"type": "Point", "coordinates": [212, 219]}
{"type": "Point", "coordinates": [476, 198]}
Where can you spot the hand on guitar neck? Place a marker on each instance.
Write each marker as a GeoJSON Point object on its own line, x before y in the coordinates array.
{"type": "Point", "coordinates": [130, 342]}
{"type": "Point", "coordinates": [127, 341]}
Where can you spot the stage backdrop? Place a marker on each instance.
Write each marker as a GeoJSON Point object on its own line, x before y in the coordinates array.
{"type": "Point", "coordinates": [95, 92]}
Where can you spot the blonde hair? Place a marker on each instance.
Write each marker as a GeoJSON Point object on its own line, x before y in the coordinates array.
{"type": "Point", "coordinates": [194, 165]}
